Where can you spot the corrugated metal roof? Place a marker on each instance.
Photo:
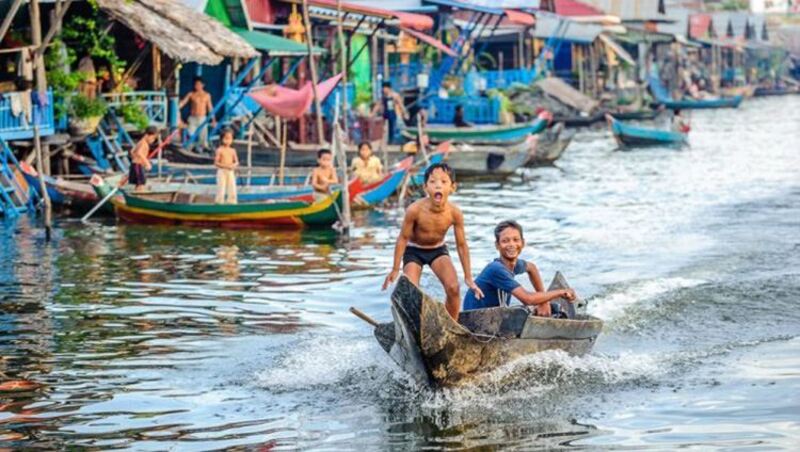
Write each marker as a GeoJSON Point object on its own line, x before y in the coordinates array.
{"type": "Point", "coordinates": [632, 10]}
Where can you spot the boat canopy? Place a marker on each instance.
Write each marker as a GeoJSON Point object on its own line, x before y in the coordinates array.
{"type": "Point", "coordinates": [276, 46]}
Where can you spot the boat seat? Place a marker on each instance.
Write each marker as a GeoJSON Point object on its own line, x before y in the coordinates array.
{"type": "Point", "coordinates": [499, 321]}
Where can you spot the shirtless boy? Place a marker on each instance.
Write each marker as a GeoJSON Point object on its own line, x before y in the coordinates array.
{"type": "Point", "coordinates": [324, 175]}
{"type": "Point", "coordinates": [200, 107]}
{"type": "Point", "coordinates": [421, 239]}
{"type": "Point", "coordinates": [140, 159]}
{"type": "Point", "coordinates": [226, 162]}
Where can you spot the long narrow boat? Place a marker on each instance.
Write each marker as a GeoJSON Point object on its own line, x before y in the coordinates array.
{"type": "Point", "coordinates": [746, 91]}
{"type": "Point", "coordinates": [663, 97]}
{"type": "Point", "coordinates": [74, 193]}
{"type": "Point", "coordinates": [763, 92]}
{"type": "Point", "coordinates": [437, 351]}
{"type": "Point", "coordinates": [551, 145]}
{"type": "Point", "coordinates": [489, 162]}
{"type": "Point", "coordinates": [633, 136]}
{"type": "Point", "coordinates": [501, 134]}
{"type": "Point", "coordinates": [187, 208]}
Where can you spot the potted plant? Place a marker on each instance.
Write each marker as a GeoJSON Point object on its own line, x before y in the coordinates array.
{"type": "Point", "coordinates": [87, 114]}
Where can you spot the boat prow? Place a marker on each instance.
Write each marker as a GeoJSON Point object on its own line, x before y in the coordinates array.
{"type": "Point", "coordinates": [437, 351]}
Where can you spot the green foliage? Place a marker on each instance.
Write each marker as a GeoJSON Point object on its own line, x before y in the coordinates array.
{"type": "Point", "coordinates": [133, 114]}
{"type": "Point", "coordinates": [83, 107]}
{"type": "Point", "coordinates": [86, 36]}
{"type": "Point", "coordinates": [363, 97]}
{"type": "Point", "coordinates": [57, 61]}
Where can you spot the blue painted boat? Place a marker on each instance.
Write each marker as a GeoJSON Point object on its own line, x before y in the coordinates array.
{"type": "Point", "coordinates": [664, 98]}
{"type": "Point", "coordinates": [633, 136]}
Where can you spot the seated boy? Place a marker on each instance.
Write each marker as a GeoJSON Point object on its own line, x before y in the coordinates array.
{"type": "Point", "coordinates": [366, 166]}
{"type": "Point", "coordinates": [421, 239]}
{"type": "Point", "coordinates": [324, 175]}
{"type": "Point", "coordinates": [497, 283]}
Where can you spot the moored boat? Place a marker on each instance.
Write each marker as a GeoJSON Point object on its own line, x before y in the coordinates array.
{"type": "Point", "coordinates": [634, 136]}
{"type": "Point", "coordinates": [437, 351]}
{"type": "Point", "coordinates": [550, 145]}
{"type": "Point", "coordinates": [180, 207]}
{"type": "Point", "coordinates": [74, 192]}
{"type": "Point", "coordinates": [663, 97]}
{"type": "Point", "coordinates": [496, 134]}
{"type": "Point", "coordinates": [488, 162]}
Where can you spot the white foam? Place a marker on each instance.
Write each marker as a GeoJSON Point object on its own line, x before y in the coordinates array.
{"type": "Point", "coordinates": [612, 305]}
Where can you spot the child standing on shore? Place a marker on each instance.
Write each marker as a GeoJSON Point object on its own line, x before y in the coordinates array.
{"type": "Point", "coordinates": [421, 239]}
{"type": "Point", "coordinates": [226, 160]}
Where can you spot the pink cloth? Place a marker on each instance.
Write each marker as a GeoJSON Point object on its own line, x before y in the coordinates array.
{"type": "Point", "coordinates": [293, 103]}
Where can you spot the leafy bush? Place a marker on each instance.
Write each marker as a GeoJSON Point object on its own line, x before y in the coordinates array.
{"type": "Point", "coordinates": [83, 107]}
{"type": "Point", "coordinates": [134, 114]}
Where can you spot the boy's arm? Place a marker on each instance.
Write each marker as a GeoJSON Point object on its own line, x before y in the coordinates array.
{"type": "Point", "coordinates": [185, 100]}
{"type": "Point", "coordinates": [210, 109]}
{"type": "Point", "coordinates": [334, 178]}
{"type": "Point", "coordinates": [316, 183]}
{"type": "Point", "coordinates": [400, 246]}
{"type": "Point", "coordinates": [463, 251]}
{"type": "Point", "coordinates": [537, 298]}
{"type": "Point", "coordinates": [535, 277]}
{"type": "Point", "coordinates": [235, 159]}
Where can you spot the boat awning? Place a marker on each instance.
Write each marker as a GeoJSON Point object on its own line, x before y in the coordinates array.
{"type": "Point", "coordinates": [409, 20]}
{"type": "Point", "coordinates": [520, 18]}
{"type": "Point", "coordinates": [431, 41]}
{"type": "Point", "coordinates": [179, 31]}
{"type": "Point", "coordinates": [616, 48]}
{"type": "Point", "coordinates": [275, 45]}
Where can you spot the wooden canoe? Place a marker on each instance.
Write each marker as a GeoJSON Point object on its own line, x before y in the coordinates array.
{"type": "Point", "coordinates": [187, 208]}
{"type": "Point", "coordinates": [477, 162]}
{"type": "Point", "coordinates": [702, 104]}
{"type": "Point", "coordinates": [426, 342]}
{"type": "Point", "coordinates": [551, 145]}
{"type": "Point", "coordinates": [70, 192]}
{"type": "Point", "coordinates": [633, 136]}
{"type": "Point", "coordinates": [499, 134]}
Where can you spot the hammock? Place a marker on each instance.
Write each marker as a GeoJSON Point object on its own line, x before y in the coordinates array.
{"type": "Point", "coordinates": [292, 103]}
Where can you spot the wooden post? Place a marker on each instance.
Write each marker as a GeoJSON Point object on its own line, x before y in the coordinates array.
{"type": "Point", "coordinates": [283, 154]}
{"type": "Point", "coordinates": [312, 65]}
{"type": "Point", "coordinates": [38, 61]}
{"type": "Point", "coordinates": [156, 56]}
{"type": "Point", "coordinates": [343, 54]}
{"type": "Point", "coordinates": [48, 221]}
{"type": "Point", "coordinates": [250, 154]}
{"type": "Point", "coordinates": [341, 155]}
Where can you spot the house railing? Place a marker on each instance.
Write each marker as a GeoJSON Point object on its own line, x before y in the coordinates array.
{"type": "Point", "coordinates": [477, 110]}
{"type": "Point", "coordinates": [153, 103]}
{"type": "Point", "coordinates": [20, 110]}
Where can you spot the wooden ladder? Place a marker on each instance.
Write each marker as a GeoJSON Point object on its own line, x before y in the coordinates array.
{"type": "Point", "coordinates": [15, 199]}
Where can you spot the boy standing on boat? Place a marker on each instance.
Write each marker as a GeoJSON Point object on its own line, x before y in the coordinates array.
{"type": "Point", "coordinates": [226, 160]}
{"type": "Point", "coordinates": [199, 110]}
{"type": "Point", "coordinates": [421, 239]}
{"type": "Point", "coordinates": [497, 283]}
{"type": "Point", "coordinates": [391, 106]}
{"type": "Point", "coordinates": [324, 175]}
{"type": "Point", "coordinates": [140, 159]}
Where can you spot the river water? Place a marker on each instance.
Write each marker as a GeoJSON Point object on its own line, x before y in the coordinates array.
{"type": "Point", "coordinates": [153, 338]}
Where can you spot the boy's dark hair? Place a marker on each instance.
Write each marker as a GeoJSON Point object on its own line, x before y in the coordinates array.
{"type": "Point", "coordinates": [503, 225]}
{"type": "Point", "coordinates": [226, 131]}
{"type": "Point", "coordinates": [323, 151]}
{"type": "Point", "coordinates": [364, 143]}
{"type": "Point", "coordinates": [198, 79]}
{"type": "Point", "coordinates": [442, 166]}
{"type": "Point", "coordinates": [151, 130]}
{"type": "Point", "coordinates": [386, 84]}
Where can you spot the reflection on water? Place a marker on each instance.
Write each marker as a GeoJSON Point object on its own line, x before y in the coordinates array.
{"type": "Point", "coordinates": [188, 338]}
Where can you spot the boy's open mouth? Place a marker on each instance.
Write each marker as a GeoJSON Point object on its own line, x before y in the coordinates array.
{"type": "Point", "coordinates": [438, 196]}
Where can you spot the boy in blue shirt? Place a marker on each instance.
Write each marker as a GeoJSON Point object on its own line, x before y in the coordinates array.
{"type": "Point", "coordinates": [497, 283]}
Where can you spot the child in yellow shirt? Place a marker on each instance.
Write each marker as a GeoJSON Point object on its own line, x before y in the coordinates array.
{"type": "Point", "coordinates": [366, 166]}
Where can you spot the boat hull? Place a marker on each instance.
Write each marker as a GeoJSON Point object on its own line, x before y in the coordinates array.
{"type": "Point", "coordinates": [505, 134]}
{"type": "Point", "coordinates": [632, 136]}
{"type": "Point", "coordinates": [425, 341]}
{"type": "Point", "coordinates": [489, 162]}
{"type": "Point", "coordinates": [550, 146]}
{"type": "Point", "coordinates": [702, 104]}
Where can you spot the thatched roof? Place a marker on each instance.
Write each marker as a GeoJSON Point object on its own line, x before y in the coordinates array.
{"type": "Point", "coordinates": [180, 32]}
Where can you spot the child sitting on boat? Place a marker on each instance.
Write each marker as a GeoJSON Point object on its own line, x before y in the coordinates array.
{"type": "Point", "coordinates": [324, 175]}
{"type": "Point", "coordinates": [140, 159]}
{"type": "Point", "coordinates": [497, 283]}
{"type": "Point", "coordinates": [421, 238]}
{"type": "Point", "coordinates": [226, 160]}
{"type": "Point", "coordinates": [366, 166]}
